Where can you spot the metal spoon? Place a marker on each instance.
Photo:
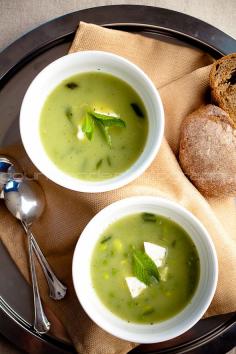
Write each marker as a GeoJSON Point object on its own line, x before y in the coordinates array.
{"type": "Point", "coordinates": [29, 191]}
{"type": "Point", "coordinates": [24, 209]}
{"type": "Point", "coordinates": [25, 200]}
{"type": "Point", "coordinates": [8, 169]}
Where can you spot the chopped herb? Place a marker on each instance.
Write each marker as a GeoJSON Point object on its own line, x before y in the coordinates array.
{"type": "Point", "coordinates": [69, 113]}
{"type": "Point", "coordinates": [137, 110]}
{"type": "Point", "coordinates": [72, 85]}
{"type": "Point", "coordinates": [148, 312]}
{"type": "Point", "coordinates": [109, 160]}
{"type": "Point", "coordinates": [99, 163]}
{"type": "Point", "coordinates": [107, 238]}
{"type": "Point", "coordinates": [114, 271]}
{"type": "Point", "coordinates": [69, 116]}
{"type": "Point", "coordinates": [144, 268]}
{"type": "Point", "coordinates": [149, 217]}
{"type": "Point", "coordinates": [173, 243]}
{"type": "Point", "coordinates": [88, 126]}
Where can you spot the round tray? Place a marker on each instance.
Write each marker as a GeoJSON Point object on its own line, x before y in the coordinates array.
{"type": "Point", "coordinates": [19, 64]}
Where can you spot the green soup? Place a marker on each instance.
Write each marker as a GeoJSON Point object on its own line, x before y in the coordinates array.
{"type": "Point", "coordinates": [112, 147]}
{"type": "Point", "coordinates": [113, 262]}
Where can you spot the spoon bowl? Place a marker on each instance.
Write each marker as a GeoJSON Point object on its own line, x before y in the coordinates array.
{"type": "Point", "coordinates": [8, 169]}
{"type": "Point", "coordinates": [24, 199]}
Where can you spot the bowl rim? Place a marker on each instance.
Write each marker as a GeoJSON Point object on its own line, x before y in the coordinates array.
{"type": "Point", "coordinates": [176, 207]}
{"type": "Point", "coordinates": [64, 179]}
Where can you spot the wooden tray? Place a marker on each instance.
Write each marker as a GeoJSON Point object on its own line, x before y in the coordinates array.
{"type": "Point", "coordinates": [19, 64]}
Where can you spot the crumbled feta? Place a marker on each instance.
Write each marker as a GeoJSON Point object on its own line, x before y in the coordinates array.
{"type": "Point", "coordinates": [80, 133]}
{"type": "Point", "coordinates": [107, 111]}
{"type": "Point", "coordinates": [135, 286]}
{"type": "Point", "coordinates": [156, 253]}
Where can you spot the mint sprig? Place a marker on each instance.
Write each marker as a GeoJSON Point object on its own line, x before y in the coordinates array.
{"type": "Point", "coordinates": [144, 268]}
{"type": "Point", "coordinates": [105, 132]}
{"type": "Point", "coordinates": [108, 120]}
{"type": "Point", "coordinates": [88, 126]}
{"type": "Point", "coordinates": [103, 121]}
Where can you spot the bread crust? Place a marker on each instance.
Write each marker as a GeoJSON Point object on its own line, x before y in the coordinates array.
{"type": "Point", "coordinates": [216, 65]}
{"type": "Point", "coordinates": [223, 84]}
{"type": "Point", "coordinates": [207, 151]}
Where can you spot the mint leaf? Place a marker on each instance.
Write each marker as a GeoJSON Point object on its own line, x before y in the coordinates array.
{"type": "Point", "coordinates": [108, 120]}
{"type": "Point", "coordinates": [88, 126]}
{"type": "Point", "coordinates": [105, 132]}
{"type": "Point", "coordinates": [144, 268]}
{"type": "Point", "coordinates": [107, 135]}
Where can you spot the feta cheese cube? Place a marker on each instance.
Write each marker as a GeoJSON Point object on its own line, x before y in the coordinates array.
{"type": "Point", "coordinates": [135, 286]}
{"type": "Point", "coordinates": [156, 253]}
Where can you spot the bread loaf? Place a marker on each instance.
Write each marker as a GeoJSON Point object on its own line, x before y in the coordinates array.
{"type": "Point", "coordinates": [207, 152]}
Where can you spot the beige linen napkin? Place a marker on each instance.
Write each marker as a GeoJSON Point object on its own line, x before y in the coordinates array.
{"type": "Point", "coordinates": [181, 75]}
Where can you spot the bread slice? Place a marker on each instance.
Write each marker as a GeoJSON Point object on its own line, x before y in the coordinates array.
{"type": "Point", "coordinates": [223, 84]}
{"type": "Point", "coordinates": [207, 152]}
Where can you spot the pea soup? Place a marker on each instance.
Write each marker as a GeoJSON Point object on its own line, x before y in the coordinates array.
{"type": "Point", "coordinates": [145, 268]}
{"type": "Point", "coordinates": [93, 126]}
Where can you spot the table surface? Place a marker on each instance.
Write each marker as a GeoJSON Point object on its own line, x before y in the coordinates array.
{"type": "Point", "coordinates": [20, 16]}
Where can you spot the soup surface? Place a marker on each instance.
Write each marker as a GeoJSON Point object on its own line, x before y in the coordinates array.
{"type": "Point", "coordinates": [89, 147]}
{"type": "Point", "coordinates": [119, 263]}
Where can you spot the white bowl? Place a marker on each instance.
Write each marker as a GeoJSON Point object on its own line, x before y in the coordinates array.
{"type": "Point", "coordinates": [145, 333]}
{"type": "Point", "coordinates": [81, 62]}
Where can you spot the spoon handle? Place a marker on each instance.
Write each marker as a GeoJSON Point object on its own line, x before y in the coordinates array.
{"type": "Point", "coordinates": [41, 323]}
{"type": "Point", "coordinates": [56, 288]}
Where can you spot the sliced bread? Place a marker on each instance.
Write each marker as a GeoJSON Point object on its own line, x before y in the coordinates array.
{"type": "Point", "coordinates": [223, 84]}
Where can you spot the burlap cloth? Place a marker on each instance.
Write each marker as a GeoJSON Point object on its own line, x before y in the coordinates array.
{"type": "Point", "coordinates": [181, 75]}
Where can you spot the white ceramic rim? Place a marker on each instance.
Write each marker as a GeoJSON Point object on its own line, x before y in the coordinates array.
{"type": "Point", "coordinates": [139, 333]}
{"type": "Point", "coordinates": [71, 64]}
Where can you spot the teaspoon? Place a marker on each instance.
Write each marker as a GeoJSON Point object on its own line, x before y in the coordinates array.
{"type": "Point", "coordinates": [21, 208]}
{"type": "Point", "coordinates": [25, 200]}
{"type": "Point", "coordinates": [8, 169]}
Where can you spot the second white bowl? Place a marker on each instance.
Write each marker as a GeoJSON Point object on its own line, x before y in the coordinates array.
{"type": "Point", "coordinates": [145, 333]}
